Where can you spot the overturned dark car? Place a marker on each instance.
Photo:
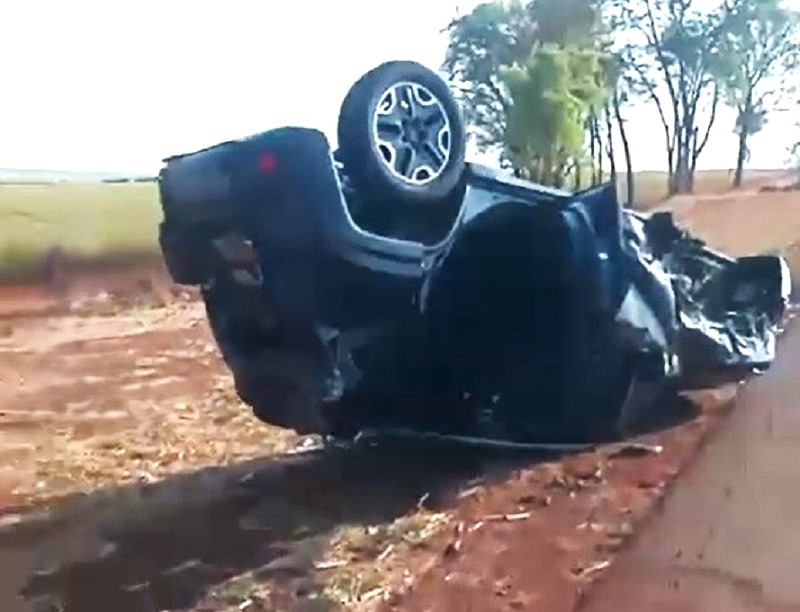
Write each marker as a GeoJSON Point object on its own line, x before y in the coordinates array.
{"type": "Point", "coordinates": [391, 285]}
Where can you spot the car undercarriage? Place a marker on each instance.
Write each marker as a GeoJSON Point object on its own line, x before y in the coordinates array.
{"type": "Point", "coordinates": [391, 285]}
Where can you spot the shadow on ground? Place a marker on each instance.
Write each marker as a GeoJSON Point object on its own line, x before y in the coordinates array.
{"type": "Point", "coordinates": [163, 546]}
{"type": "Point", "coordinates": [166, 545]}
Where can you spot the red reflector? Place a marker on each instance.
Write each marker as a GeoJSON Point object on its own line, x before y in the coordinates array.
{"type": "Point", "coordinates": [268, 163]}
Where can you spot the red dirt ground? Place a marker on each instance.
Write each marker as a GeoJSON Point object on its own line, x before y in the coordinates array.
{"type": "Point", "coordinates": [120, 384]}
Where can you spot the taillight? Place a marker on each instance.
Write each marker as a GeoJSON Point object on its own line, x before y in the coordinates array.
{"type": "Point", "coordinates": [267, 162]}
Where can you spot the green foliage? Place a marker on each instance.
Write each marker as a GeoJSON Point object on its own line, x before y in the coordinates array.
{"type": "Point", "coordinates": [759, 44]}
{"type": "Point", "coordinates": [552, 95]}
{"type": "Point", "coordinates": [494, 35]}
{"type": "Point", "coordinates": [750, 119]}
{"type": "Point", "coordinates": [528, 74]}
{"type": "Point", "coordinates": [590, 57]}
{"type": "Point", "coordinates": [760, 41]}
{"type": "Point", "coordinates": [760, 36]}
{"type": "Point", "coordinates": [566, 22]}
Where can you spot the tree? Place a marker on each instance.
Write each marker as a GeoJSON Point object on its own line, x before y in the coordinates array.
{"type": "Point", "coordinates": [670, 48]}
{"type": "Point", "coordinates": [622, 82]}
{"type": "Point", "coordinates": [795, 156]}
{"type": "Point", "coordinates": [761, 40]}
{"type": "Point", "coordinates": [552, 96]}
{"type": "Point", "coordinates": [617, 99]}
{"type": "Point", "coordinates": [498, 37]}
{"type": "Point", "coordinates": [612, 163]}
{"type": "Point", "coordinates": [794, 152]}
{"type": "Point", "coordinates": [577, 24]}
{"type": "Point", "coordinates": [566, 22]}
{"type": "Point", "coordinates": [493, 36]}
{"type": "Point", "coordinates": [596, 152]}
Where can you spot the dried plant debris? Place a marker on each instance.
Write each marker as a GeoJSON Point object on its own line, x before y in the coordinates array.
{"type": "Point", "coordinates": [215, 430]}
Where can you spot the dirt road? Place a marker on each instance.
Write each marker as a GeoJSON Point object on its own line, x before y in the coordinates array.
{"type": "Point", "coordinates": [729, 536]}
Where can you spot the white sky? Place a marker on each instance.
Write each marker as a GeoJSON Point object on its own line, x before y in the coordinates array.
{"type": "Point", "coordinates": [116, 85]}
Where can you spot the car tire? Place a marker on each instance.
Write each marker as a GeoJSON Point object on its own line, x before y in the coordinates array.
{"type": "Point", "coordinates": [401, 135]}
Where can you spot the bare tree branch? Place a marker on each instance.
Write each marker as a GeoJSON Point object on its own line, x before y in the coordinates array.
{"type": "Point", "coordinates": [712, 118]}
{"type": "Point", "coordinates": [657, 45]}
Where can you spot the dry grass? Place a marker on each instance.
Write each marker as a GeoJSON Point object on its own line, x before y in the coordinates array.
{"type": "Point", "coordinates": [358, 570]}
{"type": "Point", "coordinates": [222, 432]}
{"type": "Point", "coordinates": [216, 430]}
{"type": "Point", "coordinates": [86, 219]}
{"type": "Point", "coordinates": [362, 556]}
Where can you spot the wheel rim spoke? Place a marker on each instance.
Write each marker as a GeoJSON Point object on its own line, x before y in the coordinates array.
{"type": "Point", "coordinates": [435, 154]}
{"type": "Point", "coordinates": [407, 162]}
{"type": "Point", "coordinates": [389, 129]}
{"type": "Point", "coordinates": [432, 116]}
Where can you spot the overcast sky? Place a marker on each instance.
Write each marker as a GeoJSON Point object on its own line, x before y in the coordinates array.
{"type": "Point", "coordinates": [116, 85]}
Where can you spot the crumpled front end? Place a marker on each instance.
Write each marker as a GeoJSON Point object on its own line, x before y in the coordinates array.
{"type": "Point", "coordinates": [729, 324]}
{"type": "Point", "coordinates": [725, 312]}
